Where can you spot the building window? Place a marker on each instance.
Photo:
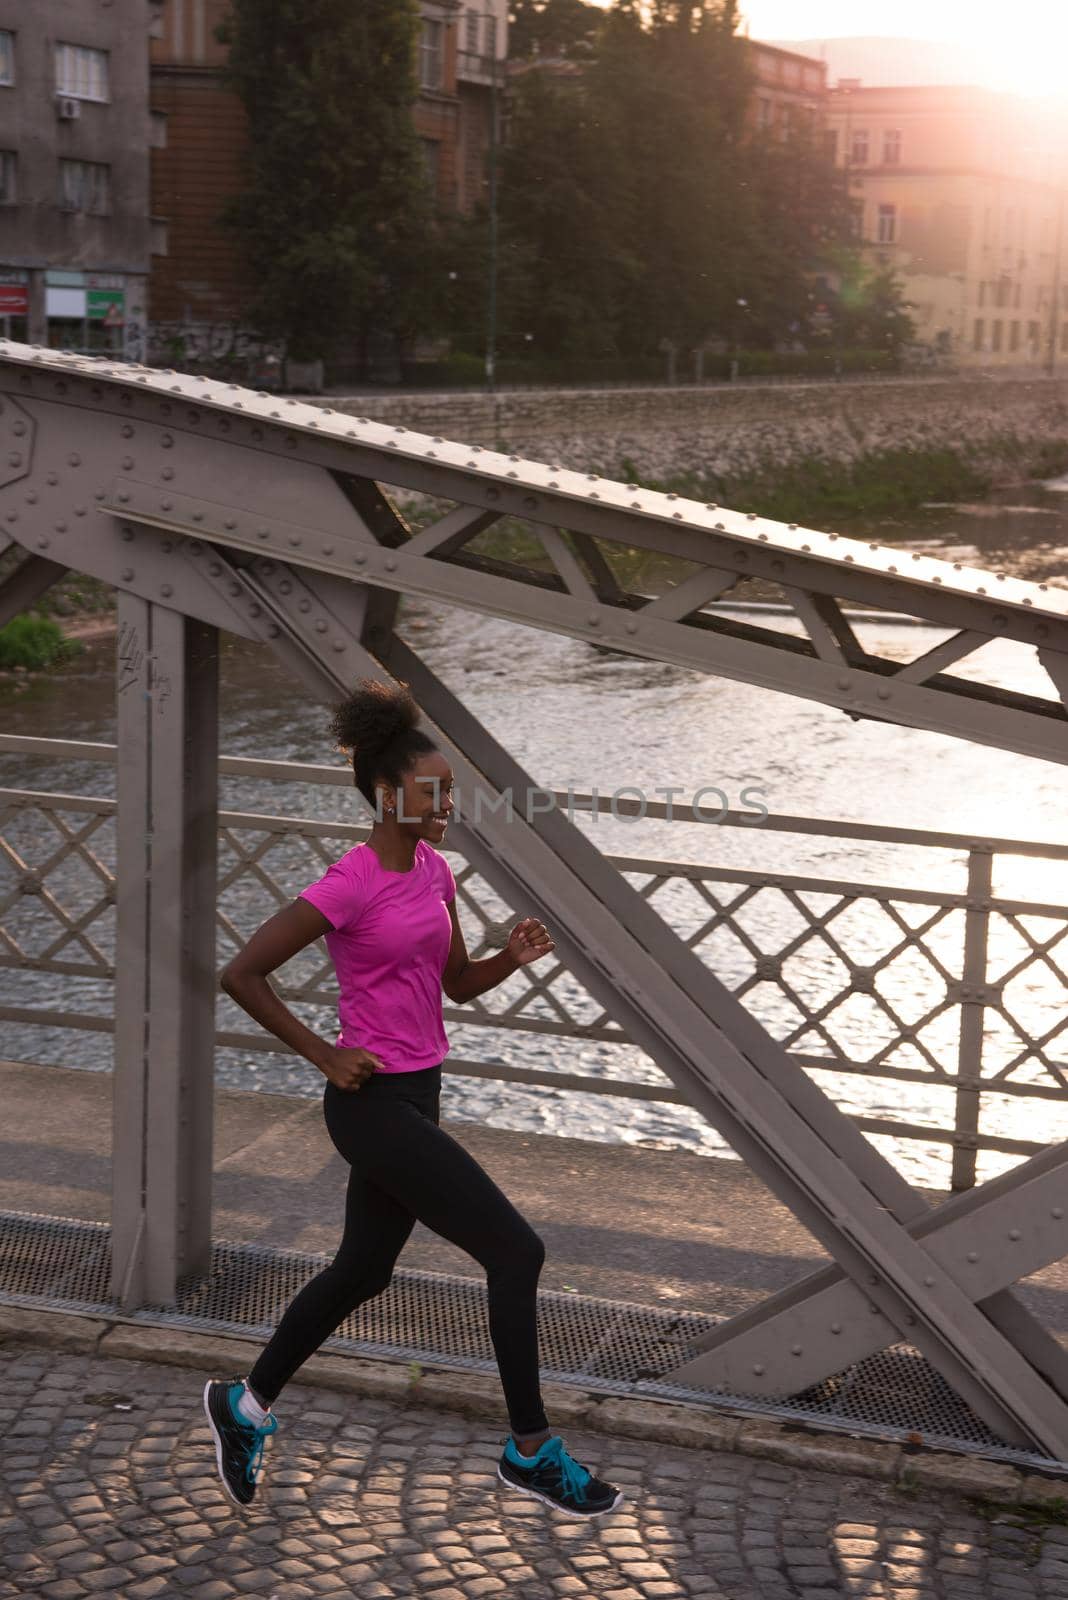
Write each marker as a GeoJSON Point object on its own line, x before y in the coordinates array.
{"type": "Point", "coordinates": [764, 111]}
{"type": "Point", "coordinates": [831, 145]}
{"type": "Point", "coordinates": [982, 292]}
{"type": "Point", "coordinates": [7, 56]}
{"type": "Point", "coordinates": [7, 178]}
{"type": "Point", "coordinates": [886, 227]}
{"type": "Point", "coordinates": [432, 162]}
{"type": "Point", "coordinates": [430, 54]}
{"type": "Point", "coordinates": [491, 37]}
{"type": "Point", "coordinates": [1014, 335]}
{"type": "Point", "coordinates": [891, 147]}
{"type": "Point", "coordinates": [1033, 335]}
{"type": "Point", "coordinates": [85, 186]}
{"type": "Point", "coordinates": [471, 32]}
{"type": "Point", "coordinates": [977, 336]}
{"type": "Point", "coordinates": [858, 148]}
{"type": "Point", "coordinates": [81, 73]}
{"type": "Point", "coordinates": [995, 335]}
{"type": "Point", "coordinates": [856, 218]}
{"type": "Point", "coordinates": [1064, 336]}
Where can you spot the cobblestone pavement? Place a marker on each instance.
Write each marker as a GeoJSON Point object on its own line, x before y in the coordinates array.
{"type": "Point", "coordinates": [109, 1488]}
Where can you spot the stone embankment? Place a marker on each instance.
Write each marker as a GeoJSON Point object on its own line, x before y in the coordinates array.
{"type": "Point", "coordinates": [733, 430]}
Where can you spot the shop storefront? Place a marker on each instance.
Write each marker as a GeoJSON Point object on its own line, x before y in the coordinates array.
{"type": "Point", "coordinates": [85, 311]}
{"type": "Point", "coordinates": [14, 304]}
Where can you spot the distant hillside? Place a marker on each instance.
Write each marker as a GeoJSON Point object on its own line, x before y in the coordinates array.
{"type": "Point", "coordinates": [878, 62]}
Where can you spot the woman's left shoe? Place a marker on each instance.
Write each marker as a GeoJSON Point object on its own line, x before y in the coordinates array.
{"type": "Point", "coordinates": [238, 1442]}
{"type": "Point", "coordinates": [557, 1478]}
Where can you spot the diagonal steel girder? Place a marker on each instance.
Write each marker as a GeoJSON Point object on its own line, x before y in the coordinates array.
{"type": "Point", "coordinates": [561, 877]}
{"type": "Point", "coordinates": [238, 458]}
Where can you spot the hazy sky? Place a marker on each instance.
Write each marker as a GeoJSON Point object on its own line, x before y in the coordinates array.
{"type": "Point", "coordinates": [1029, 56]}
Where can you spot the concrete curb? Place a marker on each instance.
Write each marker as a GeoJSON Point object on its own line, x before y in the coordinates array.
{"type": "Point", "coordinates": [908, 1467]}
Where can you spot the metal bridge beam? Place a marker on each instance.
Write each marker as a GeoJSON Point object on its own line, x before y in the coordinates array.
{"type": "Point", "coordinates": [165, 983]}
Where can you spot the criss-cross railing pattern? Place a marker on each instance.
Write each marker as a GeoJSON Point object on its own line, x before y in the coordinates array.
{"type": "Point", "coordinates": [854, 978]}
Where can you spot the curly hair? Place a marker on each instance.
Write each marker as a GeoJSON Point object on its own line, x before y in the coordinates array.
{"type": "Point", "coordinates": [377, 722]}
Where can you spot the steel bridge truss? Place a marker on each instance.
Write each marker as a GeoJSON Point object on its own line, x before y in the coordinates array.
{"type": "Point", "coordinates": [211, 507]}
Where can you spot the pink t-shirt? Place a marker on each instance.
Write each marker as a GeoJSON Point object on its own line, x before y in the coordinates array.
{"type": "Point", "coordinates": [389, 943]}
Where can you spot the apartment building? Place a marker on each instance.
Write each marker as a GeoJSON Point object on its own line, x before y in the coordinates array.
{"type": "Point", "coordinates": [198, 288]}
{"type": "Point", "coordinates": [789, 88]}
{"type": "Point", "coordinates": [76, 231]}
{"type": "Point", "coordinates": [962, 191]}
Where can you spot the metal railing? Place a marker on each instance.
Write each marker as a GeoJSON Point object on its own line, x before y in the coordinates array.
{"type": "Point", "coordinates": [953, 989]}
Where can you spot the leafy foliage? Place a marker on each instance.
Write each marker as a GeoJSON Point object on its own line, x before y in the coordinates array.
{"type": "Point", "coordinates": [336, 204]}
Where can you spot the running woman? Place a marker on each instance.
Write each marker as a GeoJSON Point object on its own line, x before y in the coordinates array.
{"type": "Point", "coordinates": [388, 914]}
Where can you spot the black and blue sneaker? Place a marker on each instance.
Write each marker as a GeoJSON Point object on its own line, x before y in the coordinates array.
{"type": "Point", "coordinates": [238, 1442]}
{"type": "Point", "coordinates": [557, 1478]}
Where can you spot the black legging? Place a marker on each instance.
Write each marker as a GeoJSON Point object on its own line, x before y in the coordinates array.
{"type": "Point", "coordinates": [406, 1168]}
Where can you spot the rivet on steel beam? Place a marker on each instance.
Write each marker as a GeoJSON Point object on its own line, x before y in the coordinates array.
{"type": "Point", "coordinates": [1014, 1234]}
{"type": "Point", "coordinates": [320, 626]}
{"type": "Point", "coordinates": [1057, 1213]}
{"type": "Point", "coordinates": [328, 549]}
{"type": "Point", "coordinates": [758, 1370]}
{"type": "Point", "coordinates": [392, 444]}
{"type": "Point", "coordinates": [391, 565]}
{"type": "Point", "coordinates": [359, 558]}
{"type": "Point", "coordinates": [295, 539]}
{"type": "Point", "coordinates": [165, 590]}
{"type": "Point", "coordinates": [74, 460]}
{"type": "Point", "coordinates": [274, 630]}
{"type": "Point", "coordinates": [973, 1255]}
{"type": "Point", "coordinates": [196, 548]}
{"type": "Point", "coordinates": [891, 569]}
{"type": "Point", "coordinates": [126, 431]}
{"type": "Point", "coordinates": [14, 459]}
{"type": "Point", "coordinates": [127, 463]}
{"type": "Point", "coordinates": [12, 516]}
{"type": "Point", "coordinates": [51, 480]}
{"type": "Point", "coordinates": [285, 587]}
{"type": "Point", "coordinates": [305, 605]}
{"type": "Point", "coordinates": [836, 1327]}
{"type": "Point", "coordinates": [166, 505]}
{"type": "Point", "coordinates": [127, 534]}
{"type": "Point", "coordinates": [215, 569]}
{"type": "Point", "coordinates": [677, 515]}
{"type": "Point", "coordinates": [263, 533]}
{"type": "Point", "coordinates": [231, 522]}
{"type": "Point", "coordinates": [42, 544]}
{"type": "Point", "coordinates": [849, 558]}
{"type": "Point", "coordinates": [593, 619]}
{"type": "Point", "coordinates": [127, 574]}
{"type": "Point", "coordinates": [795, 1350]}
{"type": "Point", "coordinates": [61, 527]}
{"type": "Point", "coordinates": [267, 568]}
{"type": "Point", "coordinates": [928, 1283]}
{"type": "Point", "coordinates": [936, 579]}
{"type": "Point", "coordinates": [630, 625]}
{"type": "Point", "coordinates": [843, 683]}
{"type": "Point", "coordinates": [882, 692]}
{"type": "Point", "coordinates": [198, 516]}
{"type": "Point", "coordinates": [255, 609]}
{"type": "Point", "coordinates": [1027, 600]}
{"type": "Point", "coordinates": [234, 588]}
{"type": "Point", "coordinates": [339, 644]}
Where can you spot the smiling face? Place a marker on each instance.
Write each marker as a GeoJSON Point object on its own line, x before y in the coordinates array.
{"type": "Point", "coordinates": [424, 803]}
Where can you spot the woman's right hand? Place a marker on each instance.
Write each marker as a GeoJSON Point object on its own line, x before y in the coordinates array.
{"type": "Point", "coordinates": [349, 1069]}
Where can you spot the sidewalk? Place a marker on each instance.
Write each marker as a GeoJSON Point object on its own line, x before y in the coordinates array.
{"type": "Point", "coordinates": [109, 1487]}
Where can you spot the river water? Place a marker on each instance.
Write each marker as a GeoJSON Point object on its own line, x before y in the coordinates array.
{"type": "Point", "coordinates": [575, 716]}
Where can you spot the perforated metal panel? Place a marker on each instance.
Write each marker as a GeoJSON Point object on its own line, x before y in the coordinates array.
{"type": "Point", "coordinates": [604, 1346]}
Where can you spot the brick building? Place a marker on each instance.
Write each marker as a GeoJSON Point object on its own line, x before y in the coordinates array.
{"type": "Point", "coordinates": [198, 289]}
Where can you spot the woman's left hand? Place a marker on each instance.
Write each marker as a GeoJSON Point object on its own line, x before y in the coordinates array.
{"type": "Point", "coordinates": [528, 941]}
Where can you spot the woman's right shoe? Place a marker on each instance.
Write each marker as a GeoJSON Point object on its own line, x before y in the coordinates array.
{"type": "Point", "coordinates": [557, 1478]}
{"type": "Point", "coordinates": [238, 1442]}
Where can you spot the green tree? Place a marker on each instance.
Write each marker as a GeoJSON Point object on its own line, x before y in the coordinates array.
{"type": "Point", "coordinates": [870, 308]}
{"type": "Point", "coordinates": [552, 27]}
{"type": "Point", "coordinates": [336, 209]}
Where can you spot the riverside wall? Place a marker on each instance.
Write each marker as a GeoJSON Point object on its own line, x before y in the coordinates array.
{"type": "Point", "coordinates": [732, 430]}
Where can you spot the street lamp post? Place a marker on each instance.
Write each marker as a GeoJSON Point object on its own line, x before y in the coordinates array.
{"type": "Point", "coordinates": [491, 309]}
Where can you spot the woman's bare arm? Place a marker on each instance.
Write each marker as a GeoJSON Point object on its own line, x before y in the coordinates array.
{"type": "Point", "coordinates": [244, 978]}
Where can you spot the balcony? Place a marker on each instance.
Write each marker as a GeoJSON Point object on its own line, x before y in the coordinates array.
{"type": "Point", "coordinates": [473, 68]}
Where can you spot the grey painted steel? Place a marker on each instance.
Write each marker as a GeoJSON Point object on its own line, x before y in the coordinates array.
{"type": "Point", "coordinates": [149, 440]}
{"type": "Point", "coordinates": [987, 1237]}
{"type": "Point", "coordinates": [167, 683]}
{"type": "Point", "coordinates": [26, 584]}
